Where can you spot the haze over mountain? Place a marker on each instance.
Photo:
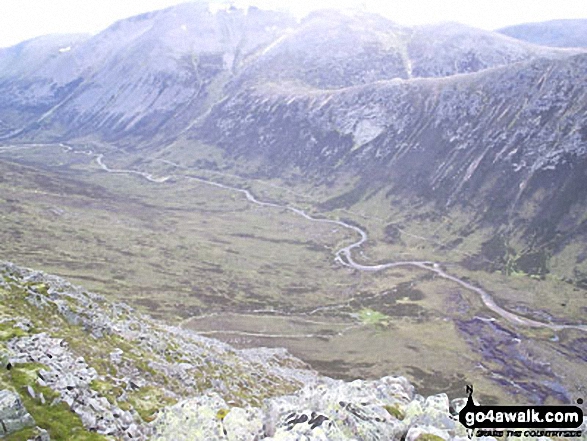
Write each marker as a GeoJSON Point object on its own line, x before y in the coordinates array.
{"type": "Point", "coordinates": [364, 193]}
{"type": "Point", "coordinates": [447, 113]}
{"type": "Point", "coordinates": [557, 33]}
{"type": "Point", "coordinates": [186, 54]}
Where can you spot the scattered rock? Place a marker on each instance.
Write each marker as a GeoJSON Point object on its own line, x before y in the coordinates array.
{"type": "Point", "coordinates": [323, 409]}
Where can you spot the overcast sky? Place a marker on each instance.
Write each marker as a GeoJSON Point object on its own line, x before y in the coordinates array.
{"type": "Point", "coordinates": [24, 19]}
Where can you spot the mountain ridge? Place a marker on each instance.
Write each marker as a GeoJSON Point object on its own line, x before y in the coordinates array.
{"type": "Point", "coordinates": [554, 33]}
{"type": "Point", "coordinates": [447, 144]}
{"type": "Point", "coordinates": [194, 78]}
{"type": "Point", "coordinates": [93, 87]}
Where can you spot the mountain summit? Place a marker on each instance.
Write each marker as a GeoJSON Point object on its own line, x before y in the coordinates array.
{"type": "Point", "coordinates": [155, 74]}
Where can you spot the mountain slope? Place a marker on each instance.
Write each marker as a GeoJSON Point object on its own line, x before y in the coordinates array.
{"type": "Point", "coordinates": [509, 143]}
{"type": "Point", "coordinates": [146, 79]}
{"type": "Point", "coordinates": [557, 33]}
{"type": "Point", "coordinates": [450, 48]}
{"type": "Point", "coordinates": [331, 50]}
{"type": "Point", "coordinates": [137, 76]}
{"type": "Point", "coordinates": [33, 55]}
{"type": "Point", "coordinates": [115, 368]}
{"type": "Point", "coordinates": [444, 113]}
{"type": "Point", "coordinates": [74, 366]}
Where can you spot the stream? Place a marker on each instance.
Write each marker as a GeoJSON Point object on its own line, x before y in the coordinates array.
{"type": "Point", "coordinates": [344, 255]}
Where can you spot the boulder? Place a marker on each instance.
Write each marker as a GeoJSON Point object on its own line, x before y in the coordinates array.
{"type": "Point", "coordinates": [195, 419]}
{"type": "Point", "coordinates": [13, 415]}
{"type": "Point", "coordinates": [5, 358]}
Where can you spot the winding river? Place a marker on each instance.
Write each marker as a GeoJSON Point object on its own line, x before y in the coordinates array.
{"type": "Point", "coordinates": [344, 256]}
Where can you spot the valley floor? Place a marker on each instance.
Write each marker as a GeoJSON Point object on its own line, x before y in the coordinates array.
{"type": "Point", "coordinates": [253, 273]}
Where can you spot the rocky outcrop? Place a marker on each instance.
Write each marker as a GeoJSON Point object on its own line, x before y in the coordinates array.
{"type": "Point", "coordinates": [365, 410]}
{"type": "Point", "coordinates": [115, 368]}
{"type": "Point", "coordinates": [124, 375]}
{"type": "Point", "coordinates": [386, 409]}
{"type": "Point", "coordinates": [13, 415]}
{"type": "Point", "coordinates": [71, 378]}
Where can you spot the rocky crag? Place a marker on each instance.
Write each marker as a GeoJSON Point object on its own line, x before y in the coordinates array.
{"type": "Point", "coordinates": [75, 366]}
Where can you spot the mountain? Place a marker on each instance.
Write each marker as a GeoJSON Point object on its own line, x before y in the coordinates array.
{"type": "Point", "coordinates": [32, 55]}
{"type": "Point", "coordinates": [451, 48]}
{"type": "Point", "coordinates": [148, 78]}
{"type": "Point", "coordinates": [21, 105]}
{"type": "Point", "coordinates": [557, 33]}
{"type": "Point", "coordinates": [332, 49]}
{"type": "Point", "coordinates": [95, 370]}
{"type": "Point", "coordinates": [454, 116]}
{"type": "Point", "coordinates": [139, 75]}
{"type": "Point", "coordinates": [509, 144]}
{"type": "Point", "coordinates": [216, 163]}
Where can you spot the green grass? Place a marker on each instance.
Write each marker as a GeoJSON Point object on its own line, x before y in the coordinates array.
{"type": "Point", "coordinates": [184, 249]}
{"type": "Point", "coordinates": [147, 401]}
{"type": "Point", "coordinates": [375, 318]}
{"type": "Point", "coordinates": [395, 411]}
{"type": "Point", "coordinates": [22, 435]}
{"type": "Point", "coordinates": [429, 437]}
{"type": "Point", "coordinates": [241, 386]}
{"type": "Point", "coordinates": [8, 331]}
{"type": "Point", "coordinates": [57, 419]}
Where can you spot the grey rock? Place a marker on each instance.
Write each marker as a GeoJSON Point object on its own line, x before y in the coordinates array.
{"type": "Point", "coordinates": [23, 324]}
{"type": "Point", "coordinates": [43, 435]}
{"type": "Point", "coordinates": [457, 404]}
{"type": "Point", "coordinates": [243, 424]}
{"type": "Point", "coordinates": [133, 431]}
{"type": "Point", "coordinates": [330, 411]}
{"type": "Point", "coordinates": [5, 358]}
{"type": "Point", "coordinates": [116, 356]}
{"type": "Point", "coordinates": [415, 432]}
{"type": "Point", "coordinates": [195, 419]}
{"type": "Point", "coordinates": [88, 419]}
{"type": "Point", "coordinates": [13, 414]}
{"type": "Point", "coordinates": [323, 409]}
